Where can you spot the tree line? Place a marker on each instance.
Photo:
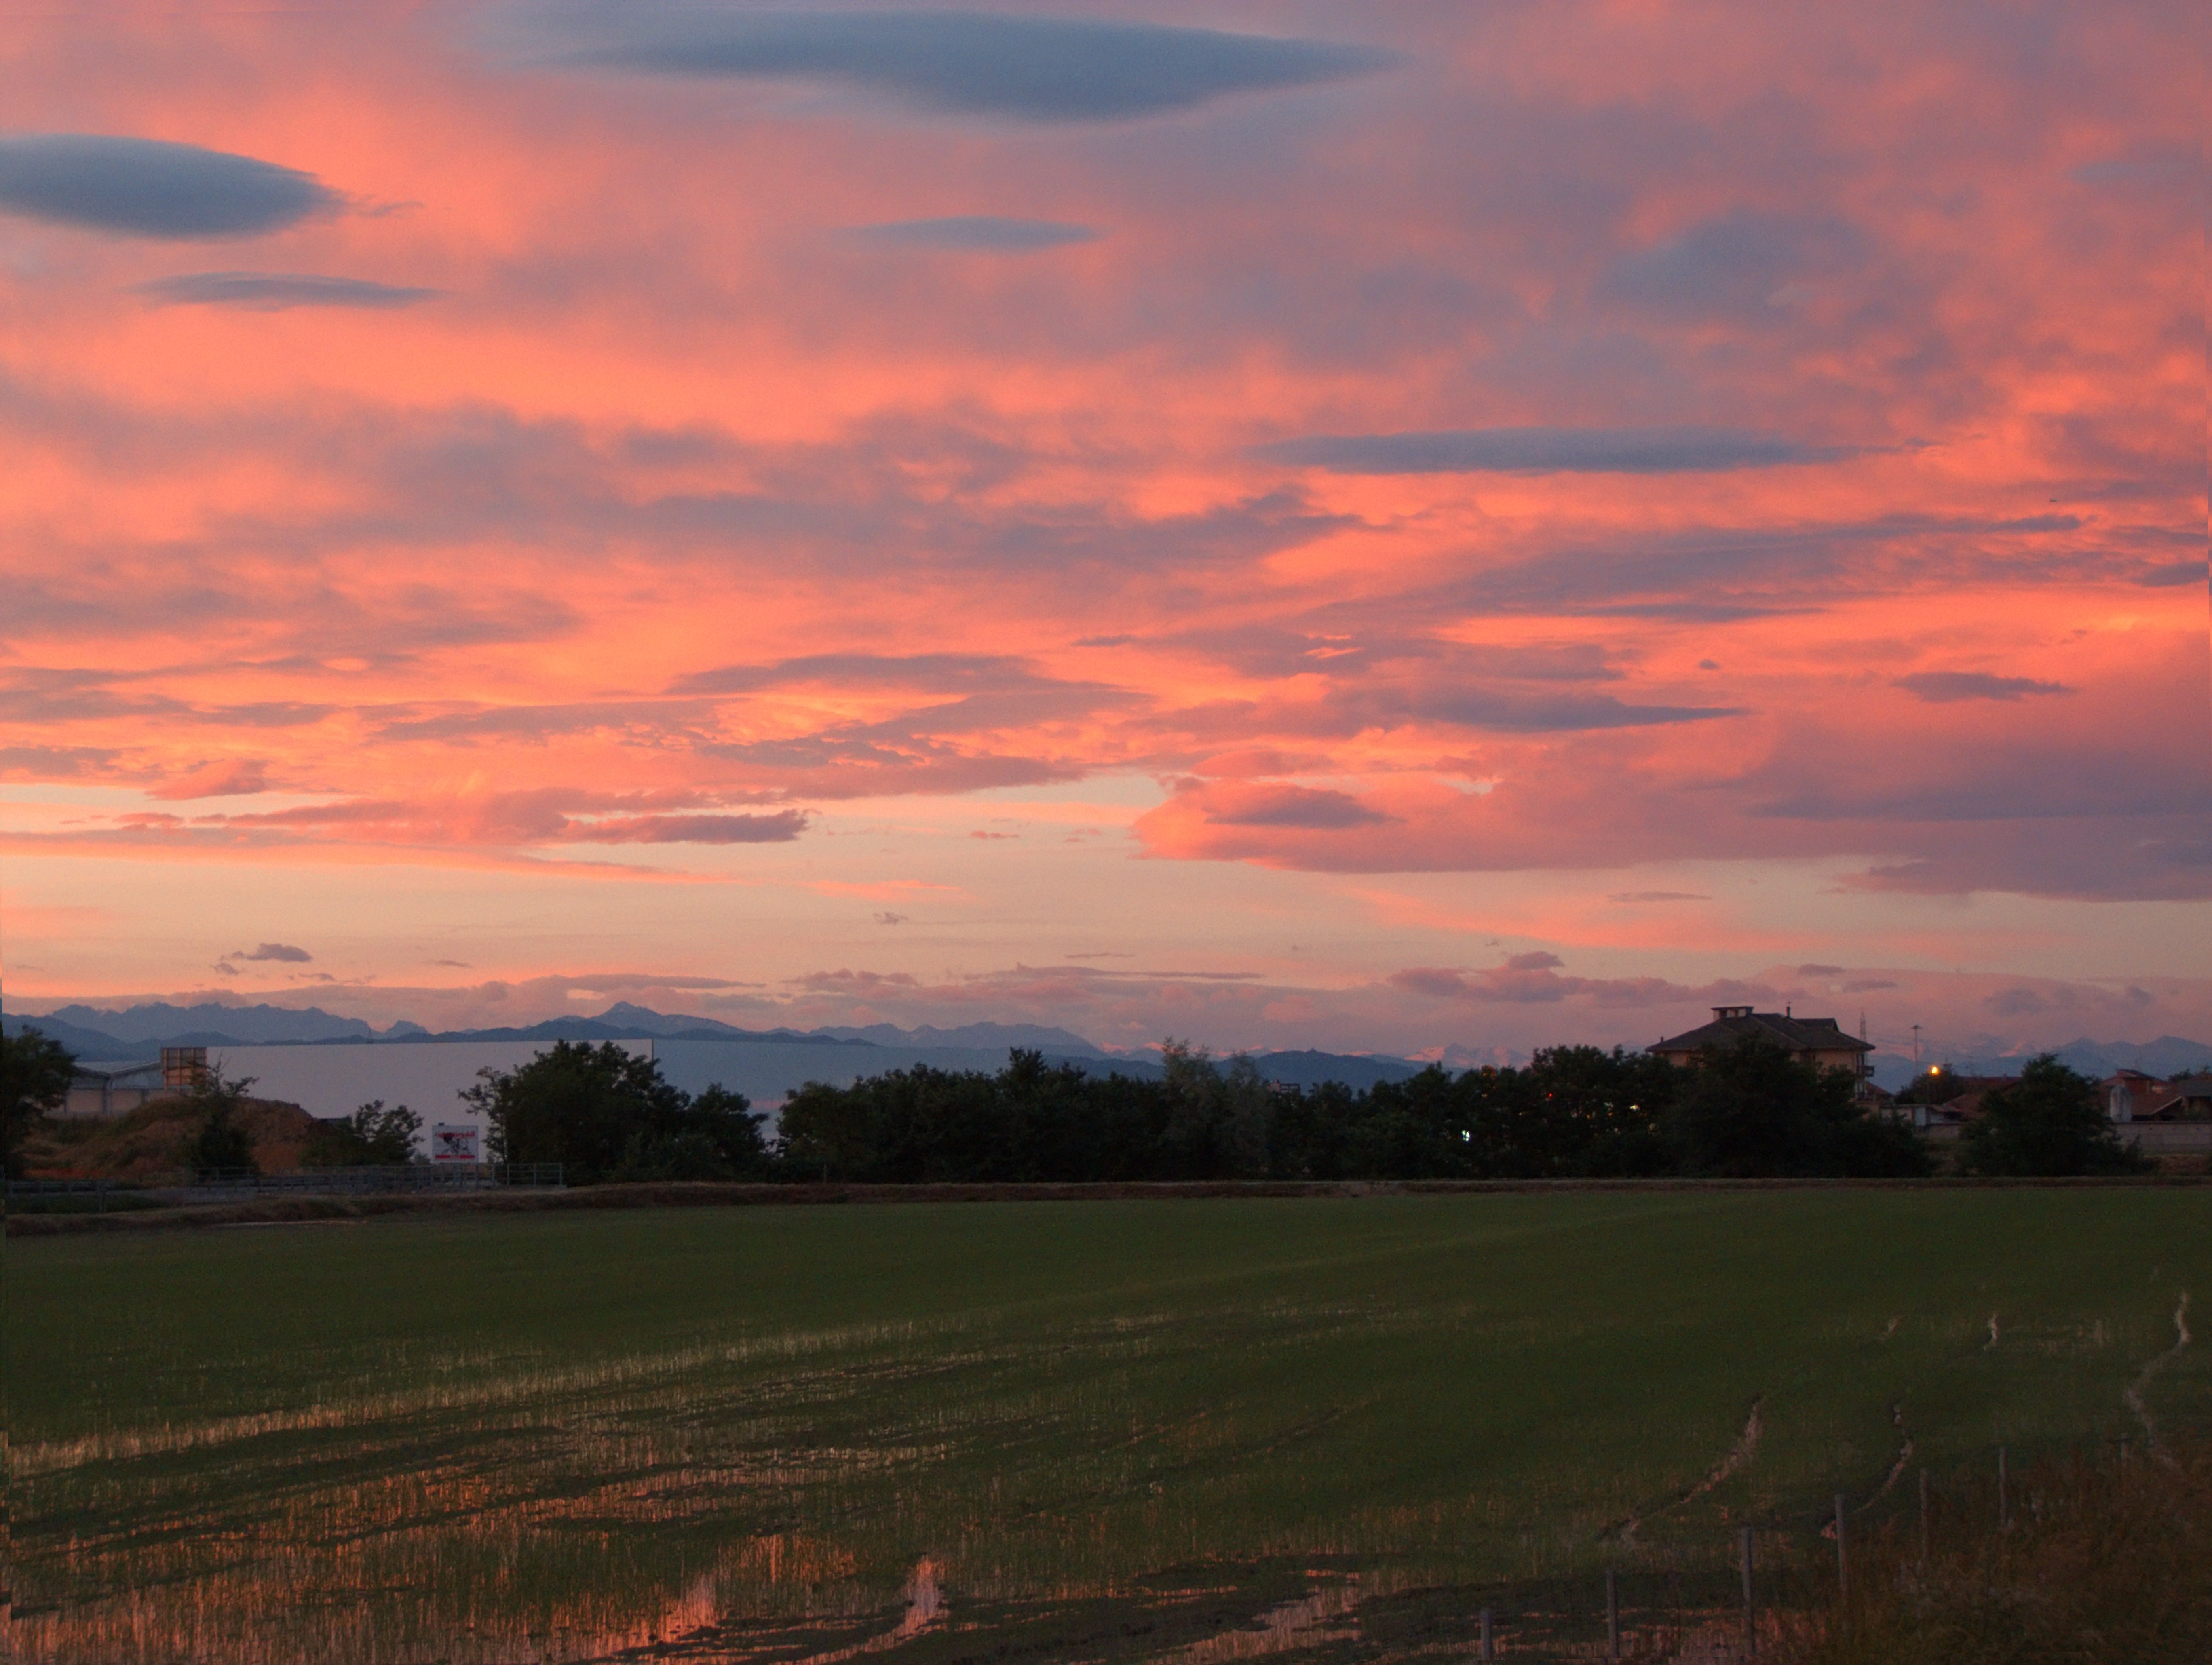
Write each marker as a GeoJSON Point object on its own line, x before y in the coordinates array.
{"type": "Point", "coordinates": [1744, 1111]}
{"type": "Point", "coordinates": [1749, 1111]}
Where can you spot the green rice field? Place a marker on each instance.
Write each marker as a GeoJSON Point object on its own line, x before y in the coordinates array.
{"type": "Point", "coordinates": [1126, 1429]}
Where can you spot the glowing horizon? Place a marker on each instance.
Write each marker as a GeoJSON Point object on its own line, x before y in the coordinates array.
{"type": "Point", "coordinates": [1271, 525]}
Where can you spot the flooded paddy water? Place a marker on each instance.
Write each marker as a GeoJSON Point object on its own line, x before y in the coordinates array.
{"type": "Point", "coordinates": [1186, 1431]}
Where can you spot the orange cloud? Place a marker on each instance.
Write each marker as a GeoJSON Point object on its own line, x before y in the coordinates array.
{"type": "Point", "coordinates": [1439, 446]}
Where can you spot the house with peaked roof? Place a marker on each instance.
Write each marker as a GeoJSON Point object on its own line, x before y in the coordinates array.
{"type": "Point", "coordinates": [2132, 1096]}
{"type": "Point", "coordinates": [1819, 1041]}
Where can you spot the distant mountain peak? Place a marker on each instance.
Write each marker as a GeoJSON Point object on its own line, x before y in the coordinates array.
{"type": "Point", "coordinates": [975, 1036]}
{"type": "Point", "coordinates": [155, 1022]}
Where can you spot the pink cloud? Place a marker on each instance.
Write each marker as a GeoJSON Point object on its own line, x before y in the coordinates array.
{"type": "Point", "coordinates": [228, 778]}
{"type": "Point", "coordinates": [1764, 467]}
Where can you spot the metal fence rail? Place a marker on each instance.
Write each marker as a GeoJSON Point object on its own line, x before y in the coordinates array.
{"type": "Point", "coordinates": [394, 1177]}
{"type": "Point", "coordinates": [216, 1184]}
{"type": "Point", "coordinates": [60, 1187]}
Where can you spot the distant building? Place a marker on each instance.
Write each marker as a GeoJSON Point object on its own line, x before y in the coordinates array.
{"type": "Point", "coordinates": [1966, 1102]}
{"type": "Point", "coordinates": [183, 1065]}
{"type": "Point", "coordinates": [1874, 1099]}
{"type": "Point", "coordinates": [112, 1089]}
{"type": "Point", "coordinates": [2132, 1096]}
{"type": "Point", "coordinates": [1819, 1041]}
{"type": "Point", "coordinates": [117, 1089]}
{"type": "Point", "coordinates": [2129, 1093]}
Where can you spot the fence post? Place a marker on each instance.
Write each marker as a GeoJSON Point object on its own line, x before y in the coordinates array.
{"type": "Point", "coordinates": [1924, 1520]}
{"type": "Point", "coordinates": [1843, 1553]}
{"type": "Point", "coordinates": [2004, 1499]}
{"type": "Point", "coordinates": [1750, 1610]}
{"type": "Point", "coordinates": [1489, 1648]}
{"type": "Point", "coordinates": [1612, 1615]}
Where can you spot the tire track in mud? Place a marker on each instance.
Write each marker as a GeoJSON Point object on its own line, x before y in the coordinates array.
{"type": "Point", "coordinates": [925, 1606]}
{"type": "Point", "coordinates": [1291, 1626]}
{"type": "Point", "coordinates": [1891, 1475]}
{"type": "Point", "coordinates": [1896, 1469]}
{"type": "Point", "coordinates": [1739, 1455]}
{"type": "Point", "coordinates": [2132, 1396]}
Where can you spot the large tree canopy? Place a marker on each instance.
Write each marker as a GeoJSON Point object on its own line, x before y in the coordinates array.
{"type": "Point", "coordinates": [2048, 1122]}
{"type": "Point", "coordinates": [605, 1113]}
{"type": "Point", "coordinates": [1574, 1112]}
{"type": "Point", "coordinates": [34, 1081]}
{"type": "Point", "coordinates": [1753, 1111]}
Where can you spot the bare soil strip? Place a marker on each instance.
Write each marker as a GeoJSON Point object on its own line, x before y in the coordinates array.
{"type": "Point", "coordinates": [1740, 1454]}
{"type": "Point", "coordinates": [2133, 1395]}
{"type": "Point", "coordinates": [304, 1210]}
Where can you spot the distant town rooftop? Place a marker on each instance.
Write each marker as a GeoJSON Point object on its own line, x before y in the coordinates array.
{"type": "Point", "coordinates": [1816, 1040]}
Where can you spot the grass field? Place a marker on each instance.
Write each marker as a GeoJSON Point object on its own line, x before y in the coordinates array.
{"type": "Point", "coordinates": [557, 1436]}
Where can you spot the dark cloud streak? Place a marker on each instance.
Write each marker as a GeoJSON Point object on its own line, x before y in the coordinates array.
{"type": "Point", "coordinates": [974, 233]}
{"type": "Point", "coordinates": [283, 952]}
{"type": "Point", "coordinates": [1549, 450]}
{"type": "Point", "coordinates": [780, 827]}
{"type": "Point", "coordinates": [151, 187]}
{"type": "Point", "coordinates": [1039, 70]}
{"type": "Point", "coordinates": [277, 292]}
{"type": "Point", "coordinates": [1943, 686]}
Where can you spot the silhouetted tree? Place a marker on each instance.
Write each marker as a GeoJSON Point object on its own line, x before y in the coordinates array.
{"type": "Point", "coordinates": [34, 1082]}
{"type": "Point", "coordinates": [1573, 1112]}
{"type": "Point", "coordinates": [715, 1135]}
{"type": "Point", "coordinates": [1753, 1110]}
{"type": "Point", "coordinates": [372, 1135]}
{"type": "Point", "coordinates": [2047, 1123]}
{"type": "Point", "coordinates": [602, 1111]}
{"type": "Point", "coordinates": [1937, 1085]}
{"type": "Point", "coordinates": [221, 1141]}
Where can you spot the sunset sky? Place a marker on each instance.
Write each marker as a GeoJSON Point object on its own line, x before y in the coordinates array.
{"type": "Point", "coordinates": [1407, 527]}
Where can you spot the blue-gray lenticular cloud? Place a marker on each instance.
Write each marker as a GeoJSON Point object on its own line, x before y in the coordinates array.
{"type": "Point", "coordinates": [949, 62]}
{"type": "Point", "coordinates": [781, 826]}
{"type": "Point", "coordinates": [151, 187]}
{"type": "Point", "coordinates": [1308, 809]}
{"type": "Point", "coordinates": [277, 292]}
{"type": "Point", "coordinates": [984, 233]}
{"type": "Point", "coordinates": [1943, 686]}
{"type": "Point", "coordinates": [1548, 451]}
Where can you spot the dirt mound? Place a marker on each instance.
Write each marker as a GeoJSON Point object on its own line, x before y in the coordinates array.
{"type": "Point", "coordinates": [151, 1140]}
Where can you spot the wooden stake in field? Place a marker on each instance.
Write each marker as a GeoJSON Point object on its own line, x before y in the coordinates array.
{"type": "Point", "coordinates": [1843, 1555]}
{"type": "Point", "coordinates": [1612, 1615]}
{"type": "Point", "coordinates": [1924, 1520]}
{"type": "Point", "coordinates": [1489, 1647]}
{"type": "Point", "coordinates": [1750, 1611]}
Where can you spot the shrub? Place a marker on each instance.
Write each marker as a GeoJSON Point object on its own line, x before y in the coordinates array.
{"type": "Point", "coordinates": [2100, 1567]}
{"type": "Point", "coordinates": [221, 1141]}
{"type": "Point", "coordinates": [371, 1136]}
{"type": "Point", "coordinates": [2048, 1122]}
{"type": "Point", "coordinates": [1753, 1111]}
{"type": "Point", "coordinates": [34, 1081]}
{"type": "Point", "coordinates": [603, 1113]}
